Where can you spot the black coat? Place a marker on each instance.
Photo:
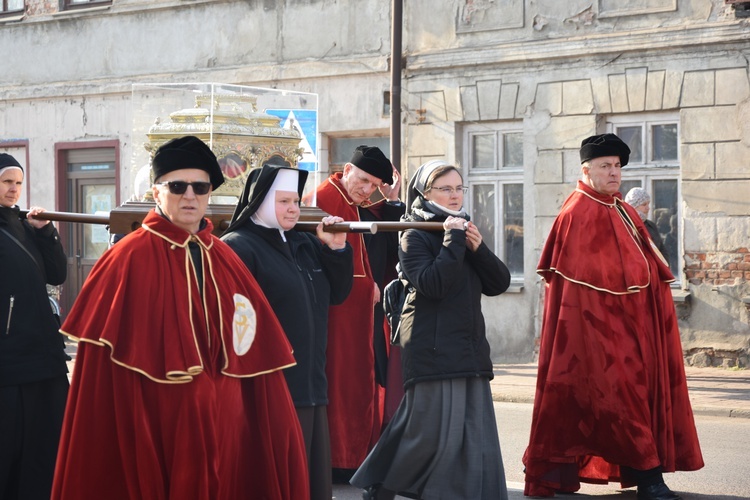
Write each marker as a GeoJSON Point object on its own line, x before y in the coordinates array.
{"type": "Point", "coordinates": [653, 231]}
{"type": "Point", "coordinates": [31, 346]}
{"type": "Point", "coordinates": [442, 326]}
{"type": "Point", "coordinates": [301, 279]}
{"type": "Point", "coordinates": [382, 253]}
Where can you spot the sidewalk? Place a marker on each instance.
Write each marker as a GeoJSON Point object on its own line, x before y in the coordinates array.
{"type": "Point", "coordinates": [713, 391]}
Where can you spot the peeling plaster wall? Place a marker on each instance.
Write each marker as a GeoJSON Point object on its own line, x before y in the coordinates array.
{"type": "Point", "coordinates": [68, 75]}
{"type": "Point", "coordinates": [560, 72]}
{"type": "Point", "coordinates": [558, 69]}
{"type": "Point", "coordinates": [163, 39]}
{"type": "Point", "coordinates": [466, 23]}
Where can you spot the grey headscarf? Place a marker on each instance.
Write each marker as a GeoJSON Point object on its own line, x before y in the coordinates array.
{"type": "Point", "coordinates": [418, 182]}
{"type": "Point", "coordinates": [418, 186]}
{"type": "Point", "coordinates": [637, 197]}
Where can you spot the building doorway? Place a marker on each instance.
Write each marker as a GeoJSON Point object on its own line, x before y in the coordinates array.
{"type": "Point", "coordinates": [91, 187]}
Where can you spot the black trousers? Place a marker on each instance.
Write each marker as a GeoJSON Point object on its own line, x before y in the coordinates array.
{"type": "Point", "coordinates": [31, 417]}
{"type": "Point", "coordinates": [314, 423]}
{"type": "Point", "coordinates": [643, 478]}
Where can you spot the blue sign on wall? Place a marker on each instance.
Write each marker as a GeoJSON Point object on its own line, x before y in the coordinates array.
{"type": "Point", "coordinates": [305, 121]}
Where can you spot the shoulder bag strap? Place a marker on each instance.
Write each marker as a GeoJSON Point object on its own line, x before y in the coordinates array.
{"type": "Point", "coordinates": [14, 240]}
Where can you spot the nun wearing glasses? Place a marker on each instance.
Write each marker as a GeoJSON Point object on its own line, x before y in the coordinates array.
{"type": "Point", "coordinates": [177, 390]}
{"type": "Point", "coordinates": [302, 275]}
{"type": "Point", "coordinates": [442, 442]}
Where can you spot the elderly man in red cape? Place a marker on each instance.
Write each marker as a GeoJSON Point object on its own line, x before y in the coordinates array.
{"type": "Point", "coordinates": [357, 352]}
{"type": "Point", "coordinates": [611, 399]}
{"type": "Point", "coordinates": [177, 391]}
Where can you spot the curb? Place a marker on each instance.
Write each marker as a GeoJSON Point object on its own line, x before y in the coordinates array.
{"type": "Point", "coordinates": [708, 411]}
{"type": "Point", "coordinates": [501, 398]}
{"type": "Point", "coordinates": [715, 411]}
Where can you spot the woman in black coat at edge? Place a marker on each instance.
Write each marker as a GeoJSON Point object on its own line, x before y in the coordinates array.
{"type": "Point", "coordinates": [33, 372]}
{"type": "Point", "coordinates": [442, 442]}
{"type": "Point", "coordinates": [301, 275]}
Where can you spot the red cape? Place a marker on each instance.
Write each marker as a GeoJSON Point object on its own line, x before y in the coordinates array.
{"type": "Point", "coordinates": [611, 387]}
{"type": "Point", "coordinates": [177, 394]}
{"type": "Point", "coordinates": [354, 417]}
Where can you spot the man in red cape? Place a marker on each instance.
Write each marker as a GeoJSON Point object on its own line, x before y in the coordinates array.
{"type": "Point", "coordinates": [177, 390]}
{"type": "Point", "coordinates": [611, 399]}
{"type": "Point", "coordinates": [357, 349]}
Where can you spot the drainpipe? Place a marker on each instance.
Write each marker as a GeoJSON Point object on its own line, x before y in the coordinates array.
{"type": "Point", "coordinates": [396, 30]}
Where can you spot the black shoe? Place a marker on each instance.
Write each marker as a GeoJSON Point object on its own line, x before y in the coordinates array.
{"type": "Point", "coordinates": [370, 493]}
{"type": "Point", "coordinates": [342, 476]}
{"type": "Point", "coordinates": [657, 492]}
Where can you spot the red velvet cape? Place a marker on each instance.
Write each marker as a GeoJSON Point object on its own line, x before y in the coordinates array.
{"type": "Point", "coordinates": [611, 387]}
{"type": "Point", "coordinates": [177, 394]}
{"type": "Point", "coordinates": [354, 406]}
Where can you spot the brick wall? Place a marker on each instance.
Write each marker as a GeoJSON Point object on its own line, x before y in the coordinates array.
{"type": "Point", "coordinates": [718, 268]}
{"type": "Point", "coordinates": [40, 7]}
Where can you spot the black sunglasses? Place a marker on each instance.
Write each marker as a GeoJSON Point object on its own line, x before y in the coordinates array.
{"type": "Point", "coordinates": [180, 187]}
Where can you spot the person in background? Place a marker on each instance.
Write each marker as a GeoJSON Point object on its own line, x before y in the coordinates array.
{"type": "Point", "coordinates": [301, 275]}
{"type": "Point", "coordinates": [611, 398]}
{"type": "Point", "coordinates": [639, 199]}
{"type": "Point", "coordinates": [33, 372]}
{"type": "Point", "coordinates": [442, 442]}
{"type": "Point", "coordinates": [357, 354]}
{"type": "Point", "coordinates": [177, 390]}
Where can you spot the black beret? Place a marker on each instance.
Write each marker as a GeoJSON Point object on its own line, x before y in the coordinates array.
{"type": "Point", "coordinates": [372, 160]}
{"type": "Point", "coordinates": [604, 145]}
{"type": "Point", "coordinates": [7, 160]}
{"type": "Point", "coordinates": [187, 152]}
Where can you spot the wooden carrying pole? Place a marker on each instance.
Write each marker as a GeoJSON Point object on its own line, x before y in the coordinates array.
{"type": "Point", "coordinates": [306, 226]}
{"type": "Point", "coordinates": [71, 217]}
{"type": "Point", "coordinates": [370, 227]}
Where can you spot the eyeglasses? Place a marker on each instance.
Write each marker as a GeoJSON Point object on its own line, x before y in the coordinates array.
{"type": "Point", "coordinates": [180, 187]}
{"type": "Point", "coordinates": [450, 190]}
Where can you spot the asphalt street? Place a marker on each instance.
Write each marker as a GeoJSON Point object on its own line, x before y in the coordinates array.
{"type": "Point", "coordinates": [725, 443]}
{"type": "Point", "coordinates": [720, 400]}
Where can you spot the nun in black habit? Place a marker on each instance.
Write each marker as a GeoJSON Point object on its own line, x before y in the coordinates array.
{"type": "Point", "coordinates": [33, 373]}
{"type": "Point", "coordinates": [301, 274]}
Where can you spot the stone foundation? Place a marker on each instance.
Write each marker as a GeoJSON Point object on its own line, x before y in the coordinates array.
{"type": "Point", "coordinates": [703, 357]}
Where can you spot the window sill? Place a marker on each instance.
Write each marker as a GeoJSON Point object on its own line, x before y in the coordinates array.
{"type": "Point", "coordinates": [515, 288]}
{"type": "Point", "coordinates": [12, 19]}
{"type": "Point", "coordinates": [680, 296]}
{"type": "Point", "coordinates": [88, 10]}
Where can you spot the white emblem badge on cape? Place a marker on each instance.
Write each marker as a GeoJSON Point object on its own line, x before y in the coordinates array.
{"type": "Point", "coordinates": [243, 325]}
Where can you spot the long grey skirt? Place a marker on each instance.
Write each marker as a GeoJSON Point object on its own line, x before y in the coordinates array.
{"type": "Point", "coordinates": [441, 444]}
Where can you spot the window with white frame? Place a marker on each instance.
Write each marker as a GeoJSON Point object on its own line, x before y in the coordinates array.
{"type": "Point", "coordinates": [655, 166]}
{"type": "Point", "coordinates": [341, 149]}
{"type": "Point", "coordinates": [493, 170]}
{"type": "Point", "coordinates": [81, 4]}
{"type": "Point", "coordinates": [11, 6]}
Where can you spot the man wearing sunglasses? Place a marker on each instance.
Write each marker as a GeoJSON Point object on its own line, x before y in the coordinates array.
{"type": "Point", "coordinates": [177, 390]}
